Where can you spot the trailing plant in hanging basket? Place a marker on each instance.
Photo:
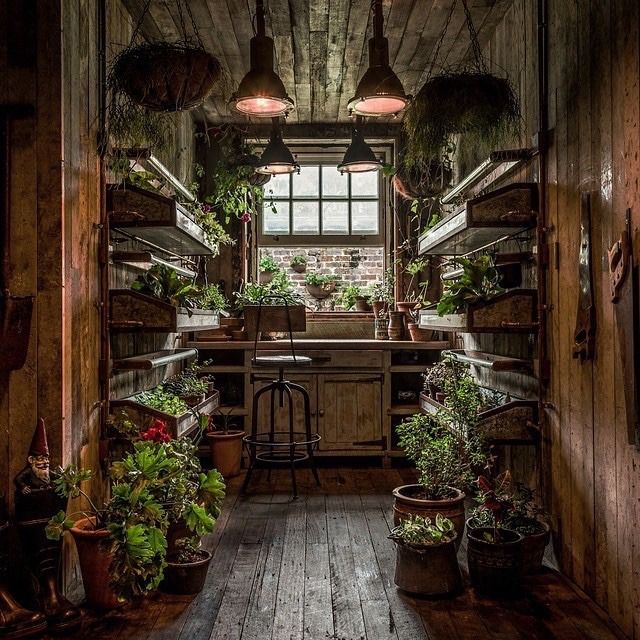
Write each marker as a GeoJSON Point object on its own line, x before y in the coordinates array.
{"type": "Point", "coordinates": [166, 76]}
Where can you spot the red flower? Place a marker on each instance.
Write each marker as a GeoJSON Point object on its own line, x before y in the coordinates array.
{"type": "Point", "coordinates": [245, 217]}
{"type": "Point", "coordinates": [157, 432]}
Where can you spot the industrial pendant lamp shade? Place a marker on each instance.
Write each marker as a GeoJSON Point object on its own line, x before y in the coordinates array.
{"type": "Point", "coordinates": [276, 158]}
{"type": "Point", "coordinates": [261, 92]}
{"type": "Point", "coordinates": [379, 92]}
{"type": "Point", "coordinates": [359, 156]}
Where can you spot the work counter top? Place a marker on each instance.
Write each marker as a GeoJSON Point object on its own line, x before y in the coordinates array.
{"type": "Point", "coordinates": [328, 344]}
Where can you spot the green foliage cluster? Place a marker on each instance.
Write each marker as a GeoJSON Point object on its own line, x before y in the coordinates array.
{"type": "Point", "coordinates": [417, 531]}
{"type": "Point", "coordinates": [162, 400]}
{"type": "Point", "coordinates": [320, 279]}
{"type": "Point", "coordinates": [212, 298]}
{"type": "Point", "coordinates": [188, 381]}
{"type": "Point", "coordinates": [479, 280]}
{"type": "Point", "coordinates": [296, 260]}
{"type": "Point", "coordinates": [384, 291]}
{"type": "Point", "coordinates": [351, 293]}
{"type": "Point", "coordinates": [280, 286]}
{"type": "Point", "coordinates": [268, 265]}
{"type": "Point", "coordinates": [439, 373]}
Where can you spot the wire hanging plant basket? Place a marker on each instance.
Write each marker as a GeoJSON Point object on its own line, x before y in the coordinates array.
{"type": "Point", "coordinates": [469, 100]}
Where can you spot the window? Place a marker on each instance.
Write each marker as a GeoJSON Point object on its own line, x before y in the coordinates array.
{"type": "Point", "coordinates": [319, 206]}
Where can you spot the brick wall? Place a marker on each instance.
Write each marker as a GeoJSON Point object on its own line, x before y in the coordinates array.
{"type": "Point", "coordinates": [363, 266]}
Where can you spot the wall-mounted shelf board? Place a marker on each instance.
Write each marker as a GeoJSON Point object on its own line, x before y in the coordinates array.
{"type": "Point", "coordinates": [482, 220]}
{"type": "Point", "coordinates": [510, 423]}
{"type": "Point", "coordinates": [134, 311]}
{"type": "Point", "coordinates": [157, 219]}
{"type": "Point", "coordinates": [148, 361]}
{"type": "Point", "coordinates": [510, 312]}
{"type": "Point", "coordinates": [176, 425]}
{"type": "Point", "coordinates": [491, 361]}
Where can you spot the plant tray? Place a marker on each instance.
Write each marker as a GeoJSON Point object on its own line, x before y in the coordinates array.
{"type": "Point", "coordinates": [156, 219]}
{"type": "Point", "coordinates": [134, 311]}
{"type": "Point", "coordinates": [176, 425]}
{"type": "Point", "coordinates": [512, 423]}
{"type": "Point", "coordinates": [491, 361]}
{"type": "Point", "coordinates": [512, 311]}
{"type": "Point", "coordinates": [482, 220]}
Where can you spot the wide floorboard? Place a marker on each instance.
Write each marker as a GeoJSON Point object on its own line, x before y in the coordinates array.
{"type": "Point", "coordinates": [321, 568]}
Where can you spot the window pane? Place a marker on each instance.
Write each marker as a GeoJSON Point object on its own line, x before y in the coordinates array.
{"type": "Point", "coordinates": [274, 223]}
{"type": "Point", "coordinates": [334, 183]}
{"type": "Point", "coordinates": [335, 218]}
{"type": "Point", "coordinates": [305, 217]}
{"type": "Point", "coordinates": [307, 182]}
{"type": "Point", "coordinates": [364, 184]}
{"type": "Point", "coordinates": [278, 186]}
{"type": "Point", "coordinates": [364, 217]}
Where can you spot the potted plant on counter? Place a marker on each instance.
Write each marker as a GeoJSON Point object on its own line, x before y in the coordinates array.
{"type": "Point", "coordinates": [354, 295]}
{"type": "Point", "coordinates": [426, 561]}
{"type": "Point", "coordinates": [320, 286]}
{"type": "Point", "coordinates": [226, 445]}
{"type": "Point", "coordinates": [267, 268]}
{"type": "Point", "coordinates": [494, 552]}
{"type": "Point", "coordinates": [298, 263]}
{"type": "Point", "coordinates": [521, 515]}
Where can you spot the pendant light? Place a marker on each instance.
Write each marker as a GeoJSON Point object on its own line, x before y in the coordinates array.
{"type": "Point", "coordinates": [261, 92]}
{"type": "Point", "coordinates": [359, 156]}
{"type": "Point", "coordinates": [379, 92]}
{"type": "Point", "coordinates": [276, 158]}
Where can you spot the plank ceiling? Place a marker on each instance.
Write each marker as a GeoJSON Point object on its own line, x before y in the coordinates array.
{"type": "Point", "coordinates": [321, 45]}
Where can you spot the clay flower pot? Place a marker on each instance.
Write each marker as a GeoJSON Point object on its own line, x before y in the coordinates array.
{"type": "Point", "coordinates": [419, 335]}
{"type": "Point", "coordinates": [321, 291]}
{"type": "Point", "coordinates": [409, 500]}
{"type": "Point", "coordinates": [362, 305]}
{"type": "Point", "coordinates": [494, 567]}
{"type": "Point", "coordinates": [95, 561]}
{"type": "Point", "coordinates": [265, 277]}
{"type": "Point", "coordinates": [186, 578]}
{"type": "Point", "coordinates": [226, 451]}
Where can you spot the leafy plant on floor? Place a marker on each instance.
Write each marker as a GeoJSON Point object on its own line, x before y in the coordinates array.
{"type": "Point", "coordinates": [417, 531]}
{"type": "Point", "coordinates": [479, 281]}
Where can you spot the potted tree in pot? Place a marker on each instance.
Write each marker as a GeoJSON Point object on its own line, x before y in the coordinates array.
{"type": "Point", "coordinates": [447, 452]}
{"type": "Point", "coordinates": [494, 553]}
{"type": "Point", "coordinates": [426, 561]}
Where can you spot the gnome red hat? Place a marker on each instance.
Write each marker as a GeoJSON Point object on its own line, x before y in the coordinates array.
{"type": "Point", "coordinates": [39, 446]}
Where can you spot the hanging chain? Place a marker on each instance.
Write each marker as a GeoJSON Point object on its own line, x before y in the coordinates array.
{"type": "Point", "coordinates": [480, 63]}
{"type": "Point", "coordinates": [443, 33]}
{"type": "Point", "coordinates": [136, 29]}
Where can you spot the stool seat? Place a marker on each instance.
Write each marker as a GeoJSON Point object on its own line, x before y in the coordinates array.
{"type": "Point", "coordinates": [281, 361]}
{"type": "Point", "coordinates": [277, 439]}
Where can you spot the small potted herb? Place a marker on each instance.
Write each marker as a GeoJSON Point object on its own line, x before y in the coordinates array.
{"type": "Point", "coordinates": [426, 561]}
{"type": "Point", "coordinates": [267, 267]}
{"type": "Point", "coordinates": [190, 387]}
{"type": "Point", "coordinates": [320, 286]}
{"type": "Point", "coordinates": [298, 263]}
{"type": "Point", "coordinates": [225, 443]}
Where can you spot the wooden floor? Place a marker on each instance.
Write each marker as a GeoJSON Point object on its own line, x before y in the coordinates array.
{"type": "Point", "coordinates": [321, 568]}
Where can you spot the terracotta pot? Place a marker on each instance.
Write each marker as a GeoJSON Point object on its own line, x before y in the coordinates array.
{"type": "Point", "coordinates": [362, 305]}
{"type": "Point", "coordinates": [407, 502]}
{"type": "Point", "coordinates": [419, 335]}
{"type": "Point", "coordinates": [494, 567]}
{"type": "Point", "coordinates": [226, 451]}
{"type": "Point", "coordinates": [428, 571]}
{"type": "Point", "coordinates": [95, 561]}
{"type": "Point", "coordinates": [396, 325]}
{"type": "Point", "coordinates": [533, 547]}
{"type": "Point", "coordinates": [378, 306]}
{"type": "Point", "coordinates": [264, 277]}
{"type": "Point", "coordinates": [175, 532]}
{"type": "Point", "coordinates": [321, 291]}
{"type": "Point", "coordinates": [406, 306]}
{"type": "Point", "coordinates": [299, 268]}
{"type": "Point", "coordinates": [185, 578]}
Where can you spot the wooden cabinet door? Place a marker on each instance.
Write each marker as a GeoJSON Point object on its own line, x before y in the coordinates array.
{"type": "Point", "coordinates": [350, 412]}
{"type": "Point", "coordinates": [282, 413]}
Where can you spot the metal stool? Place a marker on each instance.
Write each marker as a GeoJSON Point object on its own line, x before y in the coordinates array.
{"type": "Point", "coordinates": [288, 446]}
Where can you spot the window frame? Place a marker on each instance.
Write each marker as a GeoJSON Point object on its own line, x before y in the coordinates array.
{"type": "Point", "coordinates": [331, 156]}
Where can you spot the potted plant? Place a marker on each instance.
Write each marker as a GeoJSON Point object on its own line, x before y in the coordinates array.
{"type": "Point", "coordinates": [188, 385]}
{"type": "Point", "coordinates": [521, 515]}
{"type": "Point", "coordinates": [320, 286]}
{"type": "Point", "coordinates": [447, 452]}
{"type": "Point", "coordinates": [494, 552]}
{"type": "Point", "coordinates": [426, 561]}
{"type": "Point", "coordinates": [382, 295]}
{"type": "Point", "coordinates": [267, 267]}
{"type": "Point", "coordinates": [299, 263]}
{"type": "Point", "coordinates": [225, 444]}
{"type": "Point", "coordinates": [354, 296]}
{"type": "Point", "coordinates": [436, 377]}
{"type": "Point", "coordinates": [163, 282]}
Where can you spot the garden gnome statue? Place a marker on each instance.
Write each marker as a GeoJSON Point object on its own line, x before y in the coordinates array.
{"type": "Point", "coordinates": [15, 620]}
{"type": "Point", "coordinates": [36, 502]}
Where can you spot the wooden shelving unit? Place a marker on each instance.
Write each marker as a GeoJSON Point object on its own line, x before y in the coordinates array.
{"type": "Point", "coordinates": [514, 422]}
{"type": "Point", "coordinates": [177, 425]}
{"type": "Point", "coordinates": [511, 311]}
{"type": "Point", "coordinates": [157, 219]}
{"type": "Point", "coordinates": [491, 361]}
{"type": "Point", "coordinates": [134, 311]}
{"type": "Point", "coordinates": [501, 213]}
{"type": "Point", "coordinates": [148, 361]}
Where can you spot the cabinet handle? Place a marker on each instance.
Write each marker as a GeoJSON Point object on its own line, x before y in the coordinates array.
{"type": "Point", "coordinates": [321, 413]}
{"type": "Point", "coordinates": [313, 414]}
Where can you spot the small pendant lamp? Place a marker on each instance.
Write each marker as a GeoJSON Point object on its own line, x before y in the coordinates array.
{"type": "Point", "coordinates": [276, 157]}
{"type": "Point", "coordinates": [379, 92]}
{"type": "Point", "coordinates": [261, 92]}
{"type": "Point", "coordinates": [359, 156]}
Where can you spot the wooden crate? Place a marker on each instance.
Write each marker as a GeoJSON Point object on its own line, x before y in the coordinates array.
{"type": "Point", "coordinates": [274, 318]}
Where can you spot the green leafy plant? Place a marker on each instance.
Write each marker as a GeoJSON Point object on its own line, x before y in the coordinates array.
{"type": "Point", "coordinates": [319, 279]}
{"type": "Point", "coordinates": [349, 295]}
{"type": "Point", "coordinates": [417, 531]}
{"type": "Point", "coordinates": [438, 374]}
{"type": "Point", "coordinates": [280, 286]}
{"type": "Point", "coordinates": [268, 265]}
{"type": "Point", "coordinates": [164, 282]}
{"type": "Point", "coordinates": [298, 260]}
{"type": "Point", "coordinates": [188, 381]}
{"type": "Point", "coordinates": [212, 298]}
{"type": "Point", "coordinates": [205, 215]}
{"type": "Point", "coordinates": [161, 400]}
{"type": "Point", "coordinates": [384, 291]}
{"type": "Point", "coordinates": [478, 281]}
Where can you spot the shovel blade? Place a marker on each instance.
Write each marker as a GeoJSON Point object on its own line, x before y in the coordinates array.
{"type": "Point", "coordinates": [15, 328]}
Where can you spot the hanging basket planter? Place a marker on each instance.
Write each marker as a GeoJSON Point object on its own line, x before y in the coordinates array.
{"type": "Point", "coordinates": [166, 76]}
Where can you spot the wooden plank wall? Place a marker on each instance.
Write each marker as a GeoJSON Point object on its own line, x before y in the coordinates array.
{"type": "Point", "coordinates": [594, 113]}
